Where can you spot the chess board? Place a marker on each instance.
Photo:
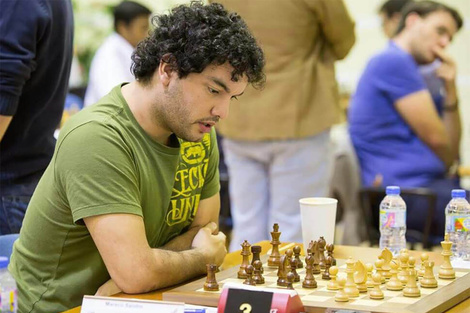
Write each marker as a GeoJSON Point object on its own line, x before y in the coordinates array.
{"type": "Point", "coordinates": [448, 293]}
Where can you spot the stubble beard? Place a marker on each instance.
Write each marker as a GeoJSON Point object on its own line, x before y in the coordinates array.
{"type": "Point", "coordinates": [175, 116]}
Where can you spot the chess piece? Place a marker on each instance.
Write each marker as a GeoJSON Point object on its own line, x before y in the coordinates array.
{"type": "Point", "coordinates": [249, 276]}
{"type": "Point", "coordinates": [350, 287]}
{"type": "Point", "coordinates": [387, 256]}
{"type": "Point", "coordinates": [316, 258]}
{"type": "Point", "coordinates": [211, 283]}
{"type": "Point", "coordinates": [446, 271]}
{"type": "Point", "coordinates": [411, 265]}
{"type": "Point", "coordinates": [428, 280]}
{"type": "Point", "coordinates": [369, 282]}
{"type": "Point", "coordinates": [326, 273]}
{"type": "Point", "coordinates": [256, 251]}
{"type": "Point", "coordinates": [282, 272]}
{"type": "Point", "coordinates": [403, 274]}
{"type": "Point", "coordinates": [411, 289]}
{"type": "Point", "coordinates": [245, 261]}
{"type": "Point", "coordinates": [424, 257]}
{"type": "Point", "coordinates": [341, 295]}
{"type": "Point", "coordinates": [257, 277]}
{"type": "Point", "coordinates": [376, 293]}
{"type": "Point", "coordinates": [293, 265]}
{"type": "Point", "coordinates": [378, 269]}
{"type": "Point", "coordinates": [394, 284]}
{"type": "Point", "coordinates": [275, 257]}
{"type": "Point", "coordinates": [297, 257]}
{"type": "Point", "coordinates": [333, 284]}
{"type": "Point", "coordinates": [330, 248]}
{"type": "Point", "coordinates": [309, 281]}
{"type": "Point", "coordinates": [290, 280]}
{"type": "Point", "coordinates": [321, 250]}
{"type": "Point", "coordinates": [360, 276]}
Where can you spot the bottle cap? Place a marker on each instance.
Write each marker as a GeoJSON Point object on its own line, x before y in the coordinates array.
{"type": "Point", "coordinates": [392, 190]}
{"type": "Point", "coordinates": [458, 193]}
{"type": "Point", "coordinates": [3, 262]}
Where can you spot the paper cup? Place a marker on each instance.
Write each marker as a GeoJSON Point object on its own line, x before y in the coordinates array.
{"type": "Point", "coordinates": [318, 219]}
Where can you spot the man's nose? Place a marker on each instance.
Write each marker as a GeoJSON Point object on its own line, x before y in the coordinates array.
{"type": "Point", "coordinates": [221, 109]}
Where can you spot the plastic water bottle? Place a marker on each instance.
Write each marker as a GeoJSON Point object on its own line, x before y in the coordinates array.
{"type": "Point", "coordinates": [458, 225]}
{"type": "Point", "coordinates": [8, 291]}
{"type": "Point", "coordinates": [393, 221]}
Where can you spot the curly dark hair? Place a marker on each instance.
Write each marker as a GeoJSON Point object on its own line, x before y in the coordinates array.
{"type": "Point", "coordinates": [193, 36]}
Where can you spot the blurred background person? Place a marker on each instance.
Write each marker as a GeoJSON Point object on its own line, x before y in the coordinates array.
{"type": "Point", "coordinates": [36, 43]}
{"type": "Point", "coordinates": [277, 141]}
{"type": "Point", "coordinates": [390, 14]}
{"type": "Point", "coordinates": [397, 131]}
{"type": "Point", "coordinates": [111, 64]}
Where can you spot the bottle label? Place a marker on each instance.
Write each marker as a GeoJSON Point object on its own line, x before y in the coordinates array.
{"type": "Point", "coordinates": [8, 300]}
{"type": "Point", "coordinates": [458, 223]}
{"type": "Point", "coordinates": [392, 219]}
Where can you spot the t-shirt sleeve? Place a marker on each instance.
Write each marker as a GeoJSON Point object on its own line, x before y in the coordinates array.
{"type": "Point", "coordinates": [396, 75]}
{"type": "Point", "coordinates": [211, 181]}
{"type": "Point", "coordinates": [95, 171]}
{"type": "Point", "coordinates": [22, 24]}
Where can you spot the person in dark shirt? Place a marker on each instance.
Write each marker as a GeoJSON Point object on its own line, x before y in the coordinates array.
{"type": "Point", "coordinates": [36, 42]}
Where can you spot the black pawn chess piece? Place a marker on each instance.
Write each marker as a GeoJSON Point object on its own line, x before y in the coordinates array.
{"type": "Point", "coordinates": [257, 277]}
{"type": "Point", "coordinates": [249, 276]}
{"type": "Point", "coordinates": [330, 248]}
{"type": "Point", "coordinates": [256, 251]}
{"type": "Point", "coordinates": [326, 273]}
{"type": "Point", "coordinates": [290, 280]}
{"type": "Point", "coordinates": [297, 257]}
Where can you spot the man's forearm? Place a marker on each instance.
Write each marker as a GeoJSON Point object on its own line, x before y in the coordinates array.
{"type": "Point", "coordinates": [451, 119]}
{"type": "Point", "coordinates": [163, 268]}
{"type": "Point", "coordinates": [183, 241]}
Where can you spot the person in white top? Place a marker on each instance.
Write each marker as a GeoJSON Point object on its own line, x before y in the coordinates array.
{"type": "Point", "coordinates": [111, 64]}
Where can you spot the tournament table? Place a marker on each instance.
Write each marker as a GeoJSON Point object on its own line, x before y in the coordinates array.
{"type": "Point", "coordinates": [234, 259]}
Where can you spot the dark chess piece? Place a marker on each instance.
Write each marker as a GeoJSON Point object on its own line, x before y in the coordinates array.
{"type": "Point", "coordinates": [275, 257]}
{"type": "Point", "coordinates": [290, 280]}
{"type": "Point", "coordinates": [321, 250]}
{"type": "Point", "coordinates": [293, 269]}
{"type": "Point", "coordinates": [211, 283]}
{"type": "Point", "coordinates": [309, 281]}
{"type": "Point", "coordinates": [249, 276]}
{"type": "Point", "coordinates": [282, 272]}
{"type": "Point", "coordinates": [297, 257]}
{"type": "Point", "coordinates": [246, 259]}
{"type": "Point", "coordinates": [257, 277]}
{"type": "Point", "coordinates": [256, 251]}
{"type": "Point", "coordinates": [326, 273]}
{"type": "Point", "coordinates": [330, 248]}
{"type": "Point", "coordinates": [316, 259]}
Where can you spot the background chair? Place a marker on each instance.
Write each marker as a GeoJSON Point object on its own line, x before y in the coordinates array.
{"type": "Point", "coordinates": [6, 244]}
{"type": "Point", "coordinates": [370, 199]}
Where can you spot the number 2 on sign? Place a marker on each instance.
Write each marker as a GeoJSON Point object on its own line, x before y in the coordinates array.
{"type": "Point", "coordinates": [245, 308]}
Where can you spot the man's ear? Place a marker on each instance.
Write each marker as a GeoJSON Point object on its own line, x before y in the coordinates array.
{"type": "Point", "coordinates": [412, 19]}
{"type": "Point", "coordinates": [167, 69]}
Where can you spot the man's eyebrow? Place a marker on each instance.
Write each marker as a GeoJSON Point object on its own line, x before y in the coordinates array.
{"type": "Point", "coordinates": [220, 83]}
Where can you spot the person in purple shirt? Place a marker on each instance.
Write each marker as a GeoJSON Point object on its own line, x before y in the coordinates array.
{"type": "Point", "coordinates": [397, 131]}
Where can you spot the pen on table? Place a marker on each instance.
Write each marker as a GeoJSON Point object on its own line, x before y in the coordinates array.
{"type": "Point", "coordinates": [194, 310]}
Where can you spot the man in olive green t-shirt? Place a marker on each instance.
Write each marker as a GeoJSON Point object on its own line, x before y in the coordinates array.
{"type": "Point", "coordinates": [130, 199]}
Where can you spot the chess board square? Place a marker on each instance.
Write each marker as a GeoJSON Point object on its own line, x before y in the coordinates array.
{"type": "Point", "coordinates": [460, 274]}
{"type": "Point", "coordinates": [202, 290]}
{"type": "Point", "coordinates": [367, 302]}
{"type": "Point", "coordinates": [232, 280]}
{"type": "Point", "coordinates": [427, 291]}
{"type": "Point", "coordinates": [315, 298]}
{"type": "Point", "coordinates": [304, 291]}
{"type": "Point", "coordinates": [444, 282]}
{"type": "Point", "coordinates": [404, 300]}
{"type": "Point", "coordinates": [270, 279]}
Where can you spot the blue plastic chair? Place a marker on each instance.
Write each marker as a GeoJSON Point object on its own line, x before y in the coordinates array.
{"type": "Point", "coordinates": [6, 244]}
